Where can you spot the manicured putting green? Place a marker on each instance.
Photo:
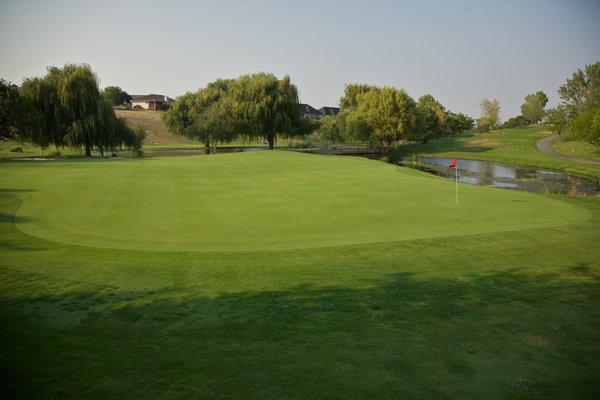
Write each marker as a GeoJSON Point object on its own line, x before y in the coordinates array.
{"type": "Point", "coordinates": [259, 201]}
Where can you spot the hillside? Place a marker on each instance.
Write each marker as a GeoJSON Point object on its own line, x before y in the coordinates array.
{"type": "Point", "coordinates": [158, 134]}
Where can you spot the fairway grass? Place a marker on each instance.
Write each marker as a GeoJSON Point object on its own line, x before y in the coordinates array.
{"type": "Point", "coordinates": [500, 299]}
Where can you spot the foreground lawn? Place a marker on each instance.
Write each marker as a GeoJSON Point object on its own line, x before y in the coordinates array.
{"type": "Point", "coordinates": [401, 294]}
{"type": "Point", "coordinates": [511, 146]}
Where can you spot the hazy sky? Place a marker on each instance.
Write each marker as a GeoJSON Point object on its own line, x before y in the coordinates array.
{"type": "Point", "coordinates": [459, 51]}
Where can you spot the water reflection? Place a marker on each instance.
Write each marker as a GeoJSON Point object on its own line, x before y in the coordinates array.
{"type": "Point", "coordinates": [506, 176]}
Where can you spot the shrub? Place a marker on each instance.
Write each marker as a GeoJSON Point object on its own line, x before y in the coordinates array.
{"type": "Point", "coordinates": [137, 107]}
{"type": "Point", "coordinates": [16, 150]}
{"type": "Point", "coordinates": [139, 132]}
{"type": "Point", "coordinates": [516, 122]}
{"type": "Point", "coordinates": [586, 126]}
{"type": "Point", "coordinates": [330, 130]}
{"type": "Point", "coordinates": [305, 144]}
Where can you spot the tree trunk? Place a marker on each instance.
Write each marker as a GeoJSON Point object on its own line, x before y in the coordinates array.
{"type": "Point", "coordinates": [271, 140]}
{"type": "Point", "coordinates": [207, 147]}
{"type": "Point", "coordinates": [88, 150]}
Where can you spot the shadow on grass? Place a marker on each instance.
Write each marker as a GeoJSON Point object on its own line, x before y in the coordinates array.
{"type": "Point", "coordinates": [11, 203]}
{"type": "Point", "coordinates": [14, 190]}
{"type": "Point", "coordinates": [11, 218]}
{"type": "Point", "coordinates": [507, 335]}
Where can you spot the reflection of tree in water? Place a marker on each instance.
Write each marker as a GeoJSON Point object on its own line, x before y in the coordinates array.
{"type": "Point", "coordinates": [509, 177]}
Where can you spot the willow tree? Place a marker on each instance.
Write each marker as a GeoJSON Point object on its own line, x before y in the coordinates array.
{"type": "Point", "coordinates": [204, 115]}
{"type": "Point", "coordinates": [79, 95]}
{"type": "Point", "coordinates": [71, 111]}
{"type": "Point", "coordinates": [49, 125]}
{"type": "Point", "coordinates": [265, 107]}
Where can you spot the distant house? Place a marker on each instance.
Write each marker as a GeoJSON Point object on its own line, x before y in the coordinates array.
{"type": "Point", "coordinates": [329, 111]}
{"type": "Point", "coordinates": [306, 111]}
{"type": "Point", "coordinates": [151, 101]}
{"type": "Point", "coordinates": [309, 112]}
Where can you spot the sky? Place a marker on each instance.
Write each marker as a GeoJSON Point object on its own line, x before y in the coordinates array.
{"type": "Point", "coordinates": [458, 51]}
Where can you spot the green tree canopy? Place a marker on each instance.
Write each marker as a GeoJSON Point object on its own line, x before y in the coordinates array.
{"type": "Point", "coordinates": [69, 111]}
{"type": "Point", "coordinates": [205, 115]}
{"type": "Point", "coordinates": [265, 107]}
{"type": "Point", "coordinates": [330, 130]}
{"type": "Point", "coordinates": [516, 122]}
{"type": "Point", "coordinates": [490, 115]}
{"type": "Point", "coordinates": [586, 126]}
{"type": "Point", "coordinates": [459, 123]}
{"type": "Point", "coordinates": [349, 100]}
{"type": "Point", "coordinates": [116, 95]}
{"type": "Point", "coordinates": [378, 115]}
{"type": "Point", "coordinates": [582, 90]}
{"type": "Point", "coordinates": [532, 108]}
{"type": "Point", "coordinates": [16, 113]}
{"type": "Point", "coordinates": [432, 118]}
{"type": "Point", "coordinates": [558, 119]}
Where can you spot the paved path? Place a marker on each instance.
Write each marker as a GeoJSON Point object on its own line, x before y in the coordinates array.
{"type": "Point", "coordinates": [544, 146]}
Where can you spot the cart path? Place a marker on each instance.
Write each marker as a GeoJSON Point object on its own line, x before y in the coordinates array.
{"type": "Point", "coordinates": [544, 146]}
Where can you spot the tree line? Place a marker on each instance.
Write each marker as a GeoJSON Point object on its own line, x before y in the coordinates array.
{"type": "Point", "coordinates": [255, 106]}
{"type": "Point", "coordinates": [65, 108]}
{"type": "Point", "coordinates": [386, 115]}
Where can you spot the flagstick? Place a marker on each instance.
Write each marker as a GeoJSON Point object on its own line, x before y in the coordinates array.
{"type": "Point", "coordinates": [456, 182]}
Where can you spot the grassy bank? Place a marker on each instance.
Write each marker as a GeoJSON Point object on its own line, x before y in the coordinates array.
{"type": "Point", "coordinates": [511, 146]}
{"type": "Point", "coordinates": [333, 277]}
{"type": "Point", "coordinates": [157, 133]}
{"type": "Point", "coordinates": [577, 149]}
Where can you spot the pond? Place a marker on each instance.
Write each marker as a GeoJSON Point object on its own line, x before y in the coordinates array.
{"type": "Point", "coordinates": [486, 173]}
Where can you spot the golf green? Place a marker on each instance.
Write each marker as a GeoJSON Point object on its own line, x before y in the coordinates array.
{"type": "Point", "coordinates": [259, 201]}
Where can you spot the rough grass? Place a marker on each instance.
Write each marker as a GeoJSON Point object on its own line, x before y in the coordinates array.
{"type": "Point", "coordinates": [156, 131]}
{"type": "Point", "coordinates": [512, 146]}
{"type": "Point", "coordinates": [577, 149]}
{"type": "Point", "coordinates": [511, 314]}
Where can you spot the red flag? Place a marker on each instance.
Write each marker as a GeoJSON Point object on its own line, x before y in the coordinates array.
{"type": "Point", "coordinates": [453, 163]}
